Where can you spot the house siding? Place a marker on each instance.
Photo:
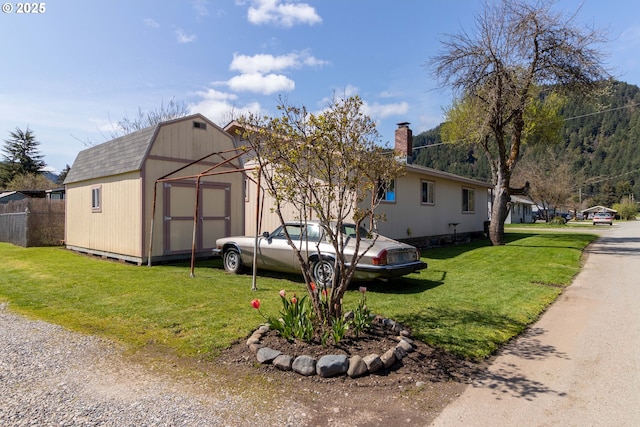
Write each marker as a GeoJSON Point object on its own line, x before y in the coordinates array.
{"type": "Point", "coordinates": [409, 218]}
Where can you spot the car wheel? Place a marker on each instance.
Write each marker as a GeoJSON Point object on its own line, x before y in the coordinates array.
{"type": "Point", "coordinates": [231, 260]}
{"type": "Point", "coordinates": [323, 272]}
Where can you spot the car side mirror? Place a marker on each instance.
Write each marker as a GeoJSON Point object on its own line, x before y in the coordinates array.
{"type": "Point", "coordinates": [265, 234]}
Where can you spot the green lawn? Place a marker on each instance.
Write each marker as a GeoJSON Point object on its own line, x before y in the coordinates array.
{"type": "Point", "coordinates": [470, 300]}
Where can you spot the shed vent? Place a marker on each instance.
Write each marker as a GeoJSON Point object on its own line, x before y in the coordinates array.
{"type": "Point", "coordinates": [200, 125]}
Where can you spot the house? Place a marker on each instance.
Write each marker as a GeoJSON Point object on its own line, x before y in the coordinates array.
{"type": "Point", "coordinates": [520, 210]}
{"type": "Point", "coordinates": [55, 194]}
{"type": "Point", "coordinates": [9, 196]}
{"type": "Point", "coordinates": [424, 207]}
{"type": "Point", "coordinates": [588, 213]}
{"type": "Point", "coordinates": [134, 198]}
{"type": "Point", "coordinates": [429, 206]}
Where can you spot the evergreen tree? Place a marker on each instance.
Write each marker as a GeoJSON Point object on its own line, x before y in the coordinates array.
{"type": "Point", "coordinates": [21, 155]}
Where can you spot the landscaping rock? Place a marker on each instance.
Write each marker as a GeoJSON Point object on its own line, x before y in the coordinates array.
{"type": "Point", "coordinates": [332, 365]}
{"type": "Point", "coordinates": [283, 362]}
{"type": "Point", "coordinates": [373, 362]}
{"type": "Point", "coordinates": [399, 352]}
{"type": "Point", "coordinates": [388, 358]}
{"type": "Point", "coordinates": [406, 346]}
{"type": "Point", "coordinates": [266, 354]}
{"type": "Point", "coordinates": [304, 365]}
{"type": "Point", "coordinates": [357, 367]}
{"type": "Point", "coordinates": [263, 329]}
{"type": "Point", "coordinates": [253, 340]}
{"type": "Point", "coordinates": [255, 347]}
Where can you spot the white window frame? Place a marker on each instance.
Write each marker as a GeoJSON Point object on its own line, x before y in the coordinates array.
{"type": "Point", "coordinates": [96, 198]}
{"type": "Point", "coordinates": [431, 192]}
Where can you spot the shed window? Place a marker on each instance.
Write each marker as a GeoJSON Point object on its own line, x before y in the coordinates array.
{"type": "Point", "coordinates": [96, 198]}
{"type": "Point", "coordinates": [427, 193]}
{"type": "Point", "coordinates": [468, 202]}
{"type": "Point", "coordinates": [200, 125]}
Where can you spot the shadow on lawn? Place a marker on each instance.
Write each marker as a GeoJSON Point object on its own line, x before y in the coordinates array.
{"type": "Point", "coordinates": [451, 329]}
{"type": "Point", "coordinates": [452, 251]}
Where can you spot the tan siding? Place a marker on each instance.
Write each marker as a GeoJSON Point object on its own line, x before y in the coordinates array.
{"type": "Point", "coordinates": [175, 146]}
{"type": "Point", "coordinates": [116, 227]}
{"type": "Point", "coordinates": [431, 220]}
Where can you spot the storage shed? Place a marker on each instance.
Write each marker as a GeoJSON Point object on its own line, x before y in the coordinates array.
{"type": "Point", "coordinates": [110, 193]}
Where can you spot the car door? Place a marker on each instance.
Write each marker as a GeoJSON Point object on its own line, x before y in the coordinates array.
{"type": "Point", "coordinates": [275, 253]}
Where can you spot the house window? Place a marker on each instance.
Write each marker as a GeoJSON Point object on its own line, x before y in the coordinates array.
{"type": "Point", "coordinates": [246, 189]}
{"type": "Point", "coordinates": [96, 198]}
{"type": "Point", "coordinates": [387, 191]}
{"type": "Point", "coordinates": [468, 200]}
{"type": "Point", "coordinates": [427, 196]}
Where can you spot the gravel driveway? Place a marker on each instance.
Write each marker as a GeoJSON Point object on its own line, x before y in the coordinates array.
{"type": "Point", "coordinates": [52, 377]}
{"type": "Point", "coordinates": [579, 365]}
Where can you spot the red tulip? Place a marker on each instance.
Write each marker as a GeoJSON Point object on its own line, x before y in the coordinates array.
{"type": "Point", "coordinates": [294, 300]}
{"type": "Point", "coordinates": [255, 304]}
{"type": "Point", "coordinates": [313, 286]}
{"type": "Point", "coordinates": [363, 289]}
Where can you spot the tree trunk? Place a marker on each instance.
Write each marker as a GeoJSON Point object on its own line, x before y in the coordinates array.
{"type": "Point", "coordinates": [499, 212]}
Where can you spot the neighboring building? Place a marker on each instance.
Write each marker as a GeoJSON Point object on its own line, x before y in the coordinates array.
{"type": "Point", "coordinates": [520, 210]}
{"type": "Point", "coordinates": [9, 196]}
{"type": "Point", "coordinates": [588, 213]}
{"type": "Point", "coordinates": [424, 207]}
{"type": "Point", "coordinates": [110, 193]}
{"type": "Point", "coordinates": [55, 194]}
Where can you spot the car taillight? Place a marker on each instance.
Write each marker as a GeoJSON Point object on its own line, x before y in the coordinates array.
{"type": "Point", "coordinates": [381, 259]}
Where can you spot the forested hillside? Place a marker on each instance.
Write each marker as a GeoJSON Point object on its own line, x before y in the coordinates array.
{"type": "Point", "coordinates": [600, 140]}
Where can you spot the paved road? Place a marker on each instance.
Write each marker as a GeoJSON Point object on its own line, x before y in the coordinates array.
{"type": "Point", "coordinates": [579, 365]}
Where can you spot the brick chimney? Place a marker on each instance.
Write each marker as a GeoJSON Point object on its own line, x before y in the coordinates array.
{"type": "Point", "coordinates": [404, 142]}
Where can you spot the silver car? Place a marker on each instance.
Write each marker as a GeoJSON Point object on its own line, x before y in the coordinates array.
{"type": "Point", "coordinates": [387, 258]}
{"type": "Point", "coordinates": [602, 218]}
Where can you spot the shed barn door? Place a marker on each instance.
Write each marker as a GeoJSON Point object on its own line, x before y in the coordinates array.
{"type": "Point", "coordinates": [213, 218]}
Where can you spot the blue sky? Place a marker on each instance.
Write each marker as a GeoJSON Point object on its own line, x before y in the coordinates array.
{"type": "Point", "coordinates": [74, 70]}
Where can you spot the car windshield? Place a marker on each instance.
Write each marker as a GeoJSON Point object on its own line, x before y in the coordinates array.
{"type": "Point", "coordinates": [313, 232]}
{"type": "Point", "coordinates": [350, 231]}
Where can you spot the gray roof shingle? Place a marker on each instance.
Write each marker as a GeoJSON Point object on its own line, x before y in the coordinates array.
{"type": "Point", "coordinates": [120, 155]}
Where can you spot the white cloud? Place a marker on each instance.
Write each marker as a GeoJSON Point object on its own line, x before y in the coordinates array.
{"type": "Point", "coordinates": [151, 23]}
{"type": "Point", "coordinates": [200, 6]}
{"type": "Point", "coordinates": [264, 63]}
{"type": "Point", "coordinates": [260, 83]}
{"type": "Point", "coordinates": [184, 37]}
{"type": "Point", "coordinates": [220, 107]}
{"type": "Point", "coordinates": [381, 111]}
{"type": "Point", "coordinates": [282, 13]}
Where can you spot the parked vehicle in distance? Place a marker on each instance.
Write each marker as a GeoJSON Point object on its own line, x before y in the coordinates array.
{"type": "Point", "coordinates": [387, 258]}
{"type": "Point", "coordinates": [602, 218]}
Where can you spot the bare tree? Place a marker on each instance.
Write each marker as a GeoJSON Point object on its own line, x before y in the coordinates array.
{"type": "Point", "coordinates": [497, 73]}
{"type": "Point", "coordinates": [173, 110]}
{"type": "Point", "coordinates": [552, 183]}
{"type": "Point", "coordinates": [327, 166]}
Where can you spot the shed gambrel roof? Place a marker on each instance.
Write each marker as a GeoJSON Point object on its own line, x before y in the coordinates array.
{"type": "Point", "coordinates": [120, 155]}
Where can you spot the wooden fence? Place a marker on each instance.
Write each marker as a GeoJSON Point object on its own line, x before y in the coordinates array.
{"type": "Point", "coordinates": [32, 222]}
